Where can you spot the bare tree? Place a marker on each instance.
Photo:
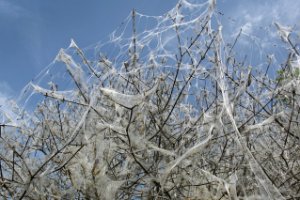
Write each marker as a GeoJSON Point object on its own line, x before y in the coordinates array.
{"type": "Point", "coordinates": [176, 115]}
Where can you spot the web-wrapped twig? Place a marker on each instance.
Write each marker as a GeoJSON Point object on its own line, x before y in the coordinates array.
{"type": "Point", "coordinates": [163, 110]}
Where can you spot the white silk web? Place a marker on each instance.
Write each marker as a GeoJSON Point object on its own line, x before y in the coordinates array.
{"type": "Point", "coordinates": [169, 106]}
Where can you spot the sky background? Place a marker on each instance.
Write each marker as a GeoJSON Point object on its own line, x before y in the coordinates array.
{"type": "Point", "coordinates": [33, 31]}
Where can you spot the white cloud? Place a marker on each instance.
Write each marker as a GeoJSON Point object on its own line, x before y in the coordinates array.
{"type": "Point", "coordinates": [6, 92]}
{"type": "Point", "coordinates": [6, 103]}
{"type": "Point", "coordinates": [286, 12]}
{"type": "Point", "coordinates": [257, 19]}
{"type": "Point", "coordinates": [5, 89]}
{"type": "Point", "coordinates": [27, 23]}
{"type": "Point", "coordinates": [256, 15]}
{"type": "Point", "coordinates": [8, 8]}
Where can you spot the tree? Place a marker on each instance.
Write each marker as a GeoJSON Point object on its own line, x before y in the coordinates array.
{"type": "Point", "coordinates": [174, 115]}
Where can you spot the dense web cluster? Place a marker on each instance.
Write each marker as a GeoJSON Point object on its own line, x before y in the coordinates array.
{"type": "Point", "coordinates": [166, 108]}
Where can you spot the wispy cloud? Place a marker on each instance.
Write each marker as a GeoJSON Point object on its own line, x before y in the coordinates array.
{"type": "Point", "coordinates": [6, 93]}
{"type": "Point", "coordinates": [5, 90]}
{"type": "Point", "coordinates": [27, 24]}
{"type": "Point", "coordinates": [255, 15]}
{"type": "Point", "coordinates": [7, 105]}
{"type": "Point", "coordinates": [8, 8]}
{"type": "Point", "coordinates": [257, 18]}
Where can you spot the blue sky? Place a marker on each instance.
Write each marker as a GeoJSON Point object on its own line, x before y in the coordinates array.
{"type": "Point", "coordinates": [33, 31]}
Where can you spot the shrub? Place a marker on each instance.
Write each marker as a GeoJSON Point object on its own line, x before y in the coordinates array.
{"type": "Point", "coordinates": [170, 113]}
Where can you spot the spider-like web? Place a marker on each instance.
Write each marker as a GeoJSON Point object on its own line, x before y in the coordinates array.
{"type": "Point", "coordinates": [197, 106]}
